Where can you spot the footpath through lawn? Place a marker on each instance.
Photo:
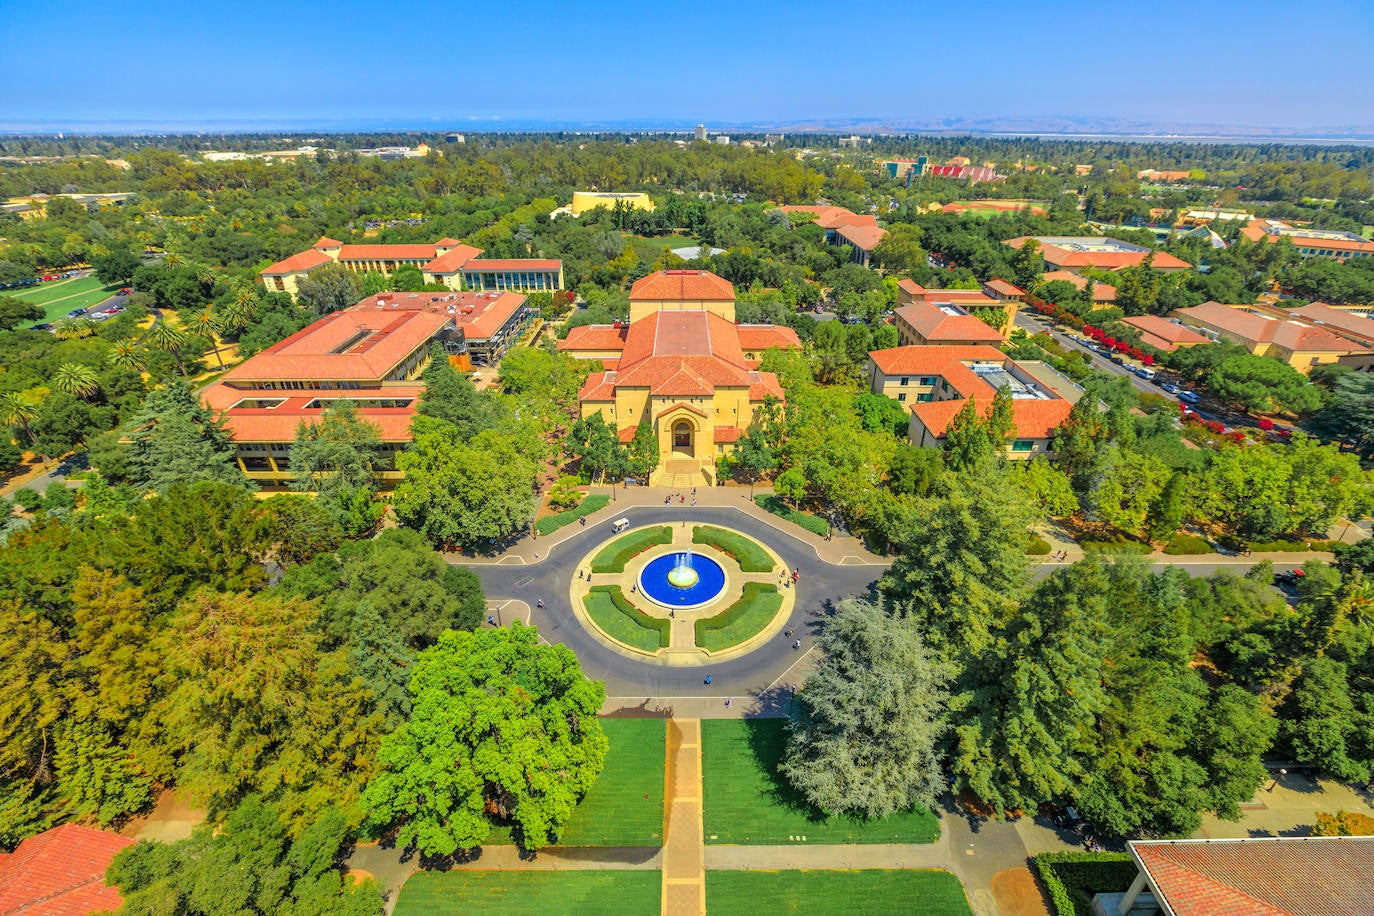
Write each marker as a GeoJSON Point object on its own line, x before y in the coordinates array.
{"type": "Point", "coordinates": [531, 893]}
{"type": "Point", "coordinates": [747, 802]}
{"type": "Point", "coordinates": [875, 892]}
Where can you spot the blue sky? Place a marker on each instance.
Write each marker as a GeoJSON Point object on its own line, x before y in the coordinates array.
{"type": "Point", "coordinates": [1262, 62]}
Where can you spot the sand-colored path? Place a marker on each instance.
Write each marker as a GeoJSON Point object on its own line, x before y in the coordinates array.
{"type": "Point", "coordinates": [684, 859]}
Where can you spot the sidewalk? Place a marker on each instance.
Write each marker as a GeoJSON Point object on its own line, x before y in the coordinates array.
{"type": "Point", "coordinates": [840, 550]}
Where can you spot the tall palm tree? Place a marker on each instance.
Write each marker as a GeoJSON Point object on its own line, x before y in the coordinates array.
{"type": "Point", "coordinates": [166, 336]}
{"type": "Point", "coordinates": [17, 410]}
{"type": "Point", "coordinates": [73, 328]}
{"type": "Point", "coordinates": [127, 355]}
{"type": "Point", "coordinates": [208, 325]}
{"type": "Point", "coordinates": [76, 379]}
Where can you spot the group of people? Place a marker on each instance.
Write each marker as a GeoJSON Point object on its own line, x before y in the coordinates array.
{"type": "Point", "coordinates": [1059, 556]}
{"type": "Point", "coordinates": [680, 497]}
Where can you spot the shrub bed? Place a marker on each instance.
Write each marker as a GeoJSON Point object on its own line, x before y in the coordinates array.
{"type": "Point", "coordinates": [1037, 546]}
{"type": "Point", "coordinates": [551, 523]}
{"type": "Point", "coordinates": [741, 620]}
{"type": "Point", "coordinates": [1186, 544]}
{"type": "Point", "coordinates": [750, 556]}
{"type": "Point", "coordinates": [613, 557]}
{"type": "Point", "coordinates": [1072, 878]}
{"type": "Point", "coordinates": [612, 611]}
{"type": "Point", "coordinates": [775, 505]}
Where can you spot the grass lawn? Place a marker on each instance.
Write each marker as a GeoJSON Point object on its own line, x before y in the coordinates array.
{"type": "Point", "coordinates": [551, 523]}
{"type": "Point", "coordinates": [867, 892]}
{"type": "Point", "coordinates": [608, 608]}
{"type": "Point", "coordinates": [61, 297]}
{"type": "Point", "coordinates": [775, 505]}
{"type": "Point", "coordinates": [613, 557]}
{"type": "Point", "coordinates": [749, 555]}
{"type": "Point", "coordinates": [625, 806]}
{"type": "Point", "coordinates": [741, 620]}
{"type": "Point", "coordinates": [530, 893]}
{"type": "Point", "coordinates": [746, 802]}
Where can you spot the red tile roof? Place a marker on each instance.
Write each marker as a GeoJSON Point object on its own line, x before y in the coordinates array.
{"type": "Point", "coordinates": [61, 872]}
{"type": "Point", "coordinates": [830, 217]}
{"type": "Point", "coordinates": [326, 242]}
{"type": "Point", "coordinates": [279, 424]}
{"type": "Point", "coordinates": [963, 297]}
{"type": "Point", "coordinates": [1106, 260]}
{"type": "Point", "coordinates": [447, 242]}
{"type": "Point", "coordinates": [1254, 328]}
{"type": "Point", "coordinates": [934, 324]}
{"type": "Point", "coordinates": [727, 433]}
{"type": "Point", "coordinates": [922, 360]}
{"type": "Point", "coordinates": [514, 264]}
{"type": "Point", "coordinates": [1033, 419]}
{"type": "Point", "coordinates": [452, 261]}
{"type": "Point", "coordinates": [1256, 231]}
{"type": "Point", "coordinates": [1263, 876]}
{"type": "Point", "coordinates": [1102, 292]}
{"type": "Point", "coordinates": [595, 337]}
{"type": "Point", "coordinates": [865, 238]}
{"type": "Point", "coordinates": [1348, 324]}
{"type": "Point", "coordinates": [386, 253]}
{"type": "Point", "coordinates": [297, 263]}
{"type": "Point", "coordinates": [1163, 334]}
{"type": "Point", "coordinates": [683, 285]}
{"type": "Point", "coordinates": [755, 337]}
{"type": "Point", "coordinates": [998, 285]}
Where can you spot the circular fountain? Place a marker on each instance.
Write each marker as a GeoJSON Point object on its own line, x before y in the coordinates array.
{"type": "Point", "coordinates": [682, 580]}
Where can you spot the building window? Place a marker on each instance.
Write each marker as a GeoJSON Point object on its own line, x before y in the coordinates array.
{"type": "Point", "coordinates": [927, 381]}
{"type": "Point", "coordinates": [905, 380]}
{"type": "Point", "coordinates": [1022, 445]}
{"type": "Point", "coordinates": [902, 396]}
{"type": "Point", "coordinates": [926, 398]}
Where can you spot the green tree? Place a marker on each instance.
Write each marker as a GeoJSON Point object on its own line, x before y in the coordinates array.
{"type": "Point", "coordinates": [329, 288]}
{"type": "Point", "coordinates": [338, 458]}
{"type": "Point", "coordinates": [175, 439]}
{"type": "Point", "coordinates": [451, 396]}
{"type": "Point", "coordinates": [292, 530]}
{"type": "Point", "coordinates": [914, 471]}
{"type": "Point", "coordinates": [866, 739]}
{"type": "Point", "coordinates": [169, 338]}
{"type": "Point", "coordinates": [968, 441]}
{"type": "Point", "coordinates": [641, 452]}
{"type": "Point", "coordinates": [1261, 384]}
{"type": "Point", "coordinates": [15, 311]}
{"type": "Point", "coordinates": [501, 728]}
{"type": "Point", "coordinates": [407, 279]}
{"type": "Point", "coordinates": [116, 266]}
{"type": "Point", "coordinates": [76, 379]}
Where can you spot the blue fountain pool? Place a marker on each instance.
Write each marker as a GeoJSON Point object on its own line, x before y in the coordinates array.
{"type": "Point", "coordinates": [709, 581]}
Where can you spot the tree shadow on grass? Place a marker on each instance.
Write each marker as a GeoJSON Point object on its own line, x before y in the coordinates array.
{"type": "Point", "coordinates": [768, 742]}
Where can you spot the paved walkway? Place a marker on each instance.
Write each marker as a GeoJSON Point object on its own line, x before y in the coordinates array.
{"type": "Point", "coordinates": [684, 864]}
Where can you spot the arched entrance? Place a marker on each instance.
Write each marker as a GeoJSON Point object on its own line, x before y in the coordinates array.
{"type": "Point", "coordinates": [682, 438]}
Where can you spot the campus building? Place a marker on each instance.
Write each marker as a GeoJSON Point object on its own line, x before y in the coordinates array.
{"type": "Point", "coordinates": [61, 872]}
{"type": "Point", "coordinates": [447, 261]}
{"type": "Point", "coordinates": [1300, 343]}
{"type": "Point", "coordinates": [1311, 243]}
{"type": "Point", "coordinates": [371, 354]}
{"type": "Point", "coordinates": [934, 383]}
{"type": "Point", "coordinates": [845, 227]}
{"type": "Point", "coordinates": [683, 365]}
{"type": "Point", "coordinates": [1075, 253]}
{"type": "Point", "coordinates": [996, 295]}
{"type": "Point", "coordinates": [1163, 334]}
{"type": "Point", "coordinates": [584, 201]}
{"type": "Point", "coordinates": [1104, 294]}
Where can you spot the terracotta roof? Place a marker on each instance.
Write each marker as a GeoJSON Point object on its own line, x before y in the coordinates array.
{"type": "Point", "coordinates": [326, 242]}
{"type": "Point", "coordinates": [514, 264]}
{"type": "Point", "coordinates": [755, 337]}
{"type": "Point", "coordinates": [865, 238]}
{"type": "Point", "coordinates": [452, 261]}
{"type": "Point", "coordinates": [727, 433]}
{"type": "Point", "coordinates": [997, 284]}
{"type": "Point", "coordinates": [627, 434]}
{"type": "Point", "coordinates": [1255, 329]}
{"type": "Point", "coordinates": [595, 337]}
{"type": "Point", "coordinates": [1349, 324]}
{"type": "Point", "coordinates": [1102, 292]}
{"type": "Point", "coordinates": [61, 872]}
{"type": "Point", "coordinates": [935, 324]}
{"type": "Point", "coordinates": [297, 263]}
{"type": "Point", "coordinates": [1107, 260]}
{"type": "Point", "coordinates": [683, 285]}
{"type": "Point", "coordinates": [830, 217]}
{"type": "Point", "coordinates": [386, 253]}
{"type": "Point", "coordinates": [1033, 419]}
{"type": "Point", "coordinates": [923, 360]}
{"type": "Point", "coordinates": [599, 386]}
{"type": "Point", "coordinates": [964, 297]}
{"type": "Point", "coordinates": [1163, 334]}
{"type": "Point", "coordinates": [1274, 229]}
{"type": "Point", "coordinates": [680, 406]}
{"type": "Point", "coordinates": [447, 242]}
{"type": "Point", "coordinates": [1262, 876]}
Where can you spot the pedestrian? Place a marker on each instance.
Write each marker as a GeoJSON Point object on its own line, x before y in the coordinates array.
{"type": "Point", "coordinates": [694, 491]}
{"type": "Point", "coordinates": [672, 612]}
{"type": "Point", "coordinates": [667, 499]}
{"type": "Point", "coordinates": [708, 679]}
{"type": "Point", "coordinates": [539, 603]}
{"type": "Point", "coordinates": [694, 502]}
{"type": "Point", "coordinates": [787, 632]}
{"type": "Point", "coordinates": [796, 644]}
{"type": "Point", "coordinates": [727, 701]}
{"type": "Point", "coordinates": [491, 620]}
{"type": "Point", "coordinates": [536, 554]}
{"type": "Point", "coordinates": [582, 520]}
{"type": "Point", "coordinates": [633, 587]}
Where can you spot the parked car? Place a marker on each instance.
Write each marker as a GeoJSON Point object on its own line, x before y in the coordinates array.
{"type": "Point", "coordinates": [45, 326]}
{"type": "Point", "coordinates": [126, 291]}
{"type": "Point", "coordinates": [1145, 372]}
{"type": "Point", "coordinates": [76, 313]}
{"type": "Point", "coordinates": [1289, 578]}
{"type": "Point", "coordinates": [117, 307]}
{"type": "Point", "coordinates": [1170, 387]}
{"type": "Point", "coordinates": [1189, 397]}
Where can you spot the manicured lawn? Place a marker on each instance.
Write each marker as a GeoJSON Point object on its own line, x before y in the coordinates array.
{"type": "Point", "coordinates": [741, 620]}
{"type": "Point", "coordinates": [551, 523]}
{"type": "Point", "coordinates": [749, 555]}
{"type": "Point", "coordinates": [625, 806]}
{"type": "Point", "coordinates": [530, 893]}
{"type": "Point", "coordinates": [867, 892]}
{"type": "Point", "coordinates": [607, 606]}
{"type": "Point", "coordinates": [775, 505]}
{"type": "Point", "coordinates": [613, 557]}
{"type": "Point", "coordinates": [61, 297]}
{"type": "Point", "coordinates": [746, 802]}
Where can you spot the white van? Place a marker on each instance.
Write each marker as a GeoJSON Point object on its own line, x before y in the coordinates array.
{"type": "Point", "coordinates": [620, 525]}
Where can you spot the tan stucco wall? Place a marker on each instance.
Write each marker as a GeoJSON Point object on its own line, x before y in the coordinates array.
{"type": "Point", "coordinates": [640, 308]}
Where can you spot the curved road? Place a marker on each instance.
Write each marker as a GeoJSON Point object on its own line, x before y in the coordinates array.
{"type": "Point", "coordinates": [820, 584]}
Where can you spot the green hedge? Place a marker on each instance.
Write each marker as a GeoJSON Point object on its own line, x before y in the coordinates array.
{"type": "Point", "coordinates": [551, 523]}
{"type": "Point", "coordinates": [775, 505]}
{"type": "Point", "coordinates": [1187, 544]}
{"type": "Point", "coordinates": [613, 557]}
{"type": "Point", "coordinates": [612, 611]}
{"type": "Point", "coordinates": [1289, 546]}
{"type": "Point", "coordinates": [749, 555]}
{"type": "Point", "coordinates": [1120, 546]}
{"type": "Point", "coordinates": [1037, 546]}
{"type": "Point", "coordinates": [1071, 878]}
{"type": "Point", "coordinates": [741, 620]}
